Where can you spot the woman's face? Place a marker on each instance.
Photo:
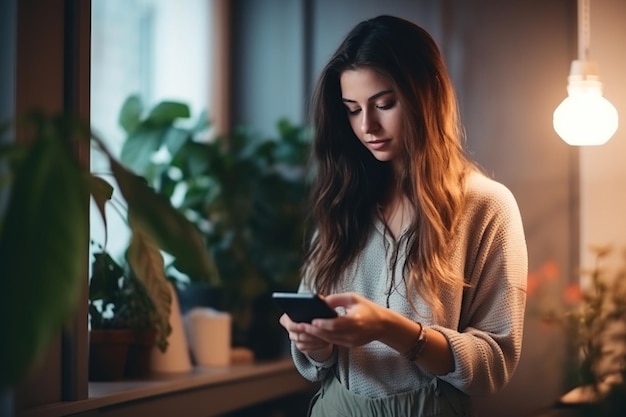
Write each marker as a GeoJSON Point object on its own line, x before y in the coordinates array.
{"type": "Point", "coordinates": [374, 112]}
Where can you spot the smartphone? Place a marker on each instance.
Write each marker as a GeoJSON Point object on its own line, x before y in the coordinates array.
{"type": "Point", "coordinates": [303, 307]}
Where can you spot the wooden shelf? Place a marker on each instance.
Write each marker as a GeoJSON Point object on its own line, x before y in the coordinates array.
{"type": "Point", "coordinates": [204, 392]}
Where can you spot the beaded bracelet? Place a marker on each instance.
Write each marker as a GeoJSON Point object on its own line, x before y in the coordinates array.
{"type": "Point", "coordinates": [418, 346]}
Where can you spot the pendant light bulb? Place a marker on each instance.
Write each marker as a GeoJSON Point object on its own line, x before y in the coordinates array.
{"type": "Point", "coordinates": [585, 117]}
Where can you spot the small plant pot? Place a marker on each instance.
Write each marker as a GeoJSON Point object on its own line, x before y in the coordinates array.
{"type": "Point", "coordinates": [116, 354]}
{"type": "Point", "coordinates": [139, 350]}
{"type": "Point", "coordinates": [108, 352]}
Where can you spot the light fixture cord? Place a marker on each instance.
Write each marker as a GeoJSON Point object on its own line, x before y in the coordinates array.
{"type": "Point", "coordinates": [583, 30]}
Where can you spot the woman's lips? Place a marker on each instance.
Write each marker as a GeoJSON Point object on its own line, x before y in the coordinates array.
{"type": "Point", "coordinates": [378, 144]}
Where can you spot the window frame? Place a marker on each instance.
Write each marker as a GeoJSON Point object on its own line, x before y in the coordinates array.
{"type": "Point", "coordinates": [61, 47]}
{"type": "Point", "coordinates": [52, 72]}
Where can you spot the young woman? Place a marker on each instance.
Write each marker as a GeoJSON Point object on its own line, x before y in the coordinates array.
{"type": "Point", "coordinates": [423, 255]}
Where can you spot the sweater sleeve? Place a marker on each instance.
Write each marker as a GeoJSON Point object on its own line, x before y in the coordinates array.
{"type": "Point", "coordinates": [487, 344]}
{"type": "Point", "coordinates": [312, 369]}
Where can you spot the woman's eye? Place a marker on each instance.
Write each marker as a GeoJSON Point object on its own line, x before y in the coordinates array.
{"type": "Point", "coordinates": [385, 106]}
{"type": "Point", "coordinates": [352, 112]}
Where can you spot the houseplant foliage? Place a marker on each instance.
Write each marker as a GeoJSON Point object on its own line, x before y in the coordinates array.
{"type": "Point", "coordinates": [44, 233]}
{"type": "Point", "coordinates": [246, 194]}
{"type": "Point", "coordinates": [117, 299]}
{"type": "Point", "coordinates": [595, 323]}
{"type": "Point", "coordinates": [125, 321]}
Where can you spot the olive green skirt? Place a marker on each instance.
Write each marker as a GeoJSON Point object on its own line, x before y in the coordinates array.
{"type": "Point", "coordinates": [437, 399]}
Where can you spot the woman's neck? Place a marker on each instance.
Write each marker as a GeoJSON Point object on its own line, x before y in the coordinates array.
{"type": "Point", "coordinates": [396, 213]}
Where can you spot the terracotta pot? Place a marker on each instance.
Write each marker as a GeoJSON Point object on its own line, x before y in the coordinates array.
{"type": "Point", "coordinates": [115, 354]}
{"type": "Point", "coordinates": [108, 350]}
{"type": "Point", "coordinates": [138, 359]}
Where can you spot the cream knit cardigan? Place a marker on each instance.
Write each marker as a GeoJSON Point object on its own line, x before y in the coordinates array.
{"type": "Point", "coordinates": [483, 323]}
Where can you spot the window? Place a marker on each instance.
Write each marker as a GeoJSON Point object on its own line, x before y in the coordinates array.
{"type": "Point", "coordinates": [59, 80]}
{"type": "Point", "coordinates": [158, 49]}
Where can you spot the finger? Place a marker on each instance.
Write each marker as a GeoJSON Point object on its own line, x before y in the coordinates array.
{"type": "Point", "coordinates": [325, 324]}
{"type": "Point", "coordinates": [328, 338]}
{"type": "Point", "coordinates": [289, 324]}
{"type": "Point", "coordinates": [341, 300]}
{"type": "Point", "coordinates": [285, 321]}
{"type": "Point", "coordinates": [325, 329]}
{"type": "Point", "coordinates": [312, 333]}
{"type": "Point", "coordinates": [308, 343]}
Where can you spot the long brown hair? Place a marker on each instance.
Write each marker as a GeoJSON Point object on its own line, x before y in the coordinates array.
{"type": "Point", "coordinates": [350, 182]}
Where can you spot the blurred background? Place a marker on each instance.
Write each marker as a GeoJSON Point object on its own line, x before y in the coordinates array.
{"type": "Point", "coordinates": [250, 63]}
{"type": "Point", "coordinates": [509, 62]}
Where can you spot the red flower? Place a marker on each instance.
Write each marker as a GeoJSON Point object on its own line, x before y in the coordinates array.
{"type": "Point", "coordinates": [550, 270]}
{"type": "Point", "coordinates": [572, 294]}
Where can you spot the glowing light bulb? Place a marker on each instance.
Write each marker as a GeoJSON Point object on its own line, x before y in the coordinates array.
{"type": "Point", "coordinates": [585, 117]}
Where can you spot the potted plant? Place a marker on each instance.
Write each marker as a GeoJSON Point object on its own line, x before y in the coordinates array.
{"type": "Point", "coordinates": [44, 234]}
{"type": "Point", "coordinates": [124, 324]}
{"type": "Point", "coordinates": [246, 194]}
{"type": "Point", "coordinates": [595, 324]}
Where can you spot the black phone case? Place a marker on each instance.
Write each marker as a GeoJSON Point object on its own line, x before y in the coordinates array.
{"type": "Point", "coordinates": [303, 307]}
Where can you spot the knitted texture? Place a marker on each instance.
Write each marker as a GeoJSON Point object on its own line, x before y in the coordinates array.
{"type": "Point", "coordinates": [483, 323]}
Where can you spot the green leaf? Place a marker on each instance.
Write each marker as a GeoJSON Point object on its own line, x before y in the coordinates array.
{"type": "Point", "coordinates": [140, 146]}
{"type": "Point", "coordinates": [13, 153]}
{"type": "Point", "coordinates": [101, 191]}
{"type": "Point", "coordinates": [46, 219]}
{"type": "Point", "coordinates": [167, 112]}
{"type": "Point", "coordinates": [130, 114]}
{"type": "Point", "coordinates": [169, 228]}
{"type": "Point", "coordinates": [105, 276]}
{"type": "Point", "coordinates": [147, 264]}
{"type": "Point", "coordinates": [175, 138]}
{"type": "Point", "coordinates": [203, 123]}
{"type": "Point", "coordinates": [199, 159]}
{"type": "Point", "coordinates": [194, 158]}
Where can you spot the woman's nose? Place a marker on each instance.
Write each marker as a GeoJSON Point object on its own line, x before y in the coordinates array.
{"type": "Point", "coordinates": [369, 124]}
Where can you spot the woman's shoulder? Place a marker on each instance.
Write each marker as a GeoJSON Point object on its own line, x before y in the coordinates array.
{"type": "Point", "coordinates": [484, 190]}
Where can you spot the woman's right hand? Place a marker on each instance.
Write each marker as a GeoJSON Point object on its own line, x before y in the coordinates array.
{"type": "Point", "coordinates": [316, 348]}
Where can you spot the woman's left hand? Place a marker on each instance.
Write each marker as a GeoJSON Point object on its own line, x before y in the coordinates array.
{"type": "Point", "coordinates": [362, 322]}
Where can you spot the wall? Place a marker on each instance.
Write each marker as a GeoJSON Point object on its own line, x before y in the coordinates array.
{"type": "Point", "coordinates": [269, 59]}
{"type": "Point", "coordinates": [602, 169]}
{"type": "Point", "coordinates": [507, 61]}
{"type": "Point", "coordinates": [331, 21]}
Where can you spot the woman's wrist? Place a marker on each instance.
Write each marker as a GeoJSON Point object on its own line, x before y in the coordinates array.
{"type": "Point", "coordinates": [418, 346]}
{"type": "Point", "coordinates": [321, 355]}
{"type": "Point", "coordinates": [398, 331]}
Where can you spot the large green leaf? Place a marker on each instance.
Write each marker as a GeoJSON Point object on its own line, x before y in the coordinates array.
{"type": "Point", "coordinates": [141, 145]}
{"type": "Point", "coordinates": [101, 191]}
{"type": "Point", "coordinates": [167, 112]}
{"type": "Point", "coordinates": [47, 219]}
{"type": "Point", "coordinates": [167, 226]}
{"type": "Point", "coordinates": [175, 138]}
{"type": "Point", "coordinates": [193, 159]}
{"type": "Point", "coordinates": [202, 123]}
{"type": "Point", "coordinates": [200, 159]}
{"type": "Point", "coordinates": [130, 114]}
